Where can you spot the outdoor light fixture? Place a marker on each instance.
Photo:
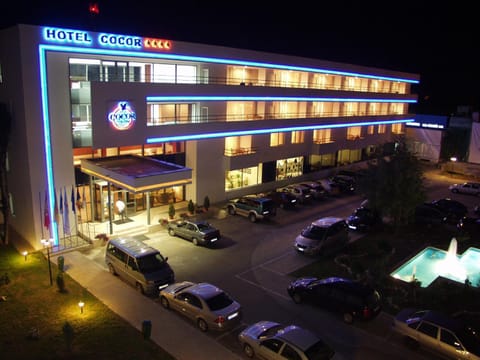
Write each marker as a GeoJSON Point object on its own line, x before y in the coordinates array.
{"type": "Point", "coordinates": [25, 253]}
{"type": "Point", "coordinates": [47, 243]}
{"type": "Point", "coordinates": [81, 304]}
{"type": "Point", "coordinates": [453, 158]}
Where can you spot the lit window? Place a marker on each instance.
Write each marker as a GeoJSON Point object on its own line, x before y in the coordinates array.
{"type": "Point", "coordinates": [298, 137]}
{"type": "Point", "coordinates": [382, 128]}
{"type": "Point", "coordinates": [354, 132]}
{"type": "Point", "coordinates": [277, 139]}
{"type": "Point", "coordinates": [322, 136]}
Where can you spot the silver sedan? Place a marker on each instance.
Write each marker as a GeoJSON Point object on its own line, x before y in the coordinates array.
{"type": "Point", "coordinates": [206, 304]}
{"type": "Point", "coordinates": [270, 340]}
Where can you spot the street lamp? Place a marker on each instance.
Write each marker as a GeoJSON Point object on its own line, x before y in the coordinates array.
{"type": "Point", "coordinates": [81, 304]}
{"type": "Point", "coordinates": [25, 253]}
{"type": "Point", "coordinates": [47, 243]}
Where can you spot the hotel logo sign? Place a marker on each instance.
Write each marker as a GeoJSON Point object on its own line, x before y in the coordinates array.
{"type": "Point", "coordinates": [85, 38]}
{"type": "Point", "coordinates": [122, 115]}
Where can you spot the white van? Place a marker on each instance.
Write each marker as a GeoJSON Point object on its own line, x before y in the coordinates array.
{"type": "Point", "coordinates": [139, 264]}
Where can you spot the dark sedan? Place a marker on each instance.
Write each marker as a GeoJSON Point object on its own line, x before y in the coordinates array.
{"type": "Point", "coordinates": [350, 298]}
{"type": "Point", "coordinates": [363, 219]}
{"type": "Point", "coordinates": [450, 206]}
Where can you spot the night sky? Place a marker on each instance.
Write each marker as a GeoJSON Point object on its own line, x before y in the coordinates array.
{"type": "Point", "coordinates": [434, 40]}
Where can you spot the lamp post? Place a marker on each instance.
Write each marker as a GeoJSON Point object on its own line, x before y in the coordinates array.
{"type": "Point", "coordinates": [25, 253]}
{"type": "Point", "coordinates": [81, 304]}
{"type": "Point", "coordinates": [47, 243]}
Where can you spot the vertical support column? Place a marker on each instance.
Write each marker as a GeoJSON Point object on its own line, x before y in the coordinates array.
{"type": "Point", "coordinates": [148, 208]}
{"type": "Point", "coordinates": [110, 209]}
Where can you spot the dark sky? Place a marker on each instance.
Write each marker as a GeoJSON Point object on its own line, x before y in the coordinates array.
{"type": "Point", "coordinates": [434, 40]}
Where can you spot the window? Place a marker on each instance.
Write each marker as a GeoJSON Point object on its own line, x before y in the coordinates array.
{"type": "Point", "coordinates": [354, 132]}
{"type": "Point", "coordinates": [397, 128]}
{"type": "Point", "coordinates": [323, 136]}
{"type": "Point", "coordinates": [273, 344]}
{"type": "Point", "coordinates": [370, 129]}
{"type": "Point", "coordinates": [428, 329]}
{"type": "Point", "coordinates": [298, 137]}
{"type": "Point", "coordinates": [449, 338]}
{"type": "Point", "coordinates": [277, 139]}
{"type": "Point", "coordinates": [289, 353]}
{"type": "Point", "coordinates": [382, 128]}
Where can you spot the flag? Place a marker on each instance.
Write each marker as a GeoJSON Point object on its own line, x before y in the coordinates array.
{"type": "Point", "coordinates": [66, 214]}
{"type": "Point", "coordinates": [57, 214]}
{"type": "Point", "coordinates": [72, 198]}
{"type": "Point", "coordinates": [46, 213]}
{"type": "Point", "coordinates": [79, 200]}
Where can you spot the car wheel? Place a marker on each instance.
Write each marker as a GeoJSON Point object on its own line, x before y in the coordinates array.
{"type": "Point", "coordinates": [348, 318]}
{"type": "Point", "coordinates": [164, 302]}
{"type": "Point", "coordinates": [202, 325]}
{"type": "Point", "coordinates": [171, 232]}
{"type": "Point", "coordinates": [195, 241]}
{"type": "Point", "coordinates": [247, 349]}
{"type": "Point", "coordinates": [297, 298]}
{"type": "Point", "coordinates": [139, 288]}
{"type": "Point", "coordinates": [231, 210]}
{"type": "Point", "coordinates": [252, 218]}
{"type": "Point", "coordinates": [111, 269]}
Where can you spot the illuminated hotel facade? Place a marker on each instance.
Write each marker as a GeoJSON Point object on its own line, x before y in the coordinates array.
{"type": "Point", "coordinates": [148, 120]}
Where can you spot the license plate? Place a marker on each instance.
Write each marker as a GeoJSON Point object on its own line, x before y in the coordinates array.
{"type": "Point", "coordinates": [232, 316]}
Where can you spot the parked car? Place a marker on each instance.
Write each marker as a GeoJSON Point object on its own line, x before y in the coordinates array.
{"type": "Point", "coordinates": [271, 341]}
{"type": "Point", "coordinates": [446, 335]}
{"type": "Point", "coordinates": [323, 235]}
{"type": "Point", "coordinates": [428, 213]}
{"type": "Point", "coordinates": [454, 207]}
{"type": "Point", "coordinates": [469, 226]}
{"type": "Point", "coordinates": [206, 304]}
{"type": "Point", "coordinates": [350, 298]}
{"type": "Point", "coordinates": [317, 190]}
{"type": "Point", "coordinates": [302, 193]}
{"type": "Point", "coordinates": [331, 188]}
{"type": "Point", "coordinates": [253, 207]}
{"type": "Point", "coordinates": [363, 219]}
{"type": "Point", "coordinates": [346, 184]}
{"type": "Point", "coordinates": [470, 188]}
{"type": "Point", "coordinates": [282, 199]}
{"type": "Point", "coordinates": [198, 232]}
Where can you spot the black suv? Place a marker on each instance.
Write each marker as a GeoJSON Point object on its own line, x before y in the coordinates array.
{"type": "Point", "coordinates": [363, 219]}
{"type": "Point", "coordinates": [350, 298]}
{"type": "Point", "coordinates": [253, 207]}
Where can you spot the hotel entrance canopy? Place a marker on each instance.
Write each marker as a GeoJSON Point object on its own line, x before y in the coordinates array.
{"type": "Point", "coordinates": [137, 174]}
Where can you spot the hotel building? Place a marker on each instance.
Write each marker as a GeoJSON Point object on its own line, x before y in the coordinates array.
{"type": "Point", "coordinates": [99, 116]}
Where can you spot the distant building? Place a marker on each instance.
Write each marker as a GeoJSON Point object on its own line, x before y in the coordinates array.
{"type": "Point", "coordinates": [99, 116]}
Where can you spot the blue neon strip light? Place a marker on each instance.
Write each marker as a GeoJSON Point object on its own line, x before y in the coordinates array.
{"type": "Point", "coordinates": [270, 98]}
{"type": "Point", "coordinates": [268, 131]}
{"type": "Point", "coordinates": [83, 50]}
{"type": "Point", "coordinates": [47, 141]}
{"type": "Point", "coordinates": [219, 61]}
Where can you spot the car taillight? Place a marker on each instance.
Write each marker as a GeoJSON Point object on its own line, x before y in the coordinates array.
{"type": "Point", "coordinates": [366, 312]}
{"type": "Point", "coordinates": [219, 320]}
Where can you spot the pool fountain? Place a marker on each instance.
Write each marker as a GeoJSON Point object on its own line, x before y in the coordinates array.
{"type": "Point", "coordinates": [431, 262]}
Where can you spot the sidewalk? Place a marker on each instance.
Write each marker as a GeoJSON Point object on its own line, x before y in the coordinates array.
{"type": "Point", "coordinates": [169, 331]}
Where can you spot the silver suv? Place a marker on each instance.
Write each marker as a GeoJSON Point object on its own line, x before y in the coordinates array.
{"type": "Point", "coordinates": [323, 235]}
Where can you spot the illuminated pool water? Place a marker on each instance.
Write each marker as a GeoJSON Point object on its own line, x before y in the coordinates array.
{"type": "Point", "coordinates": [431, 263]}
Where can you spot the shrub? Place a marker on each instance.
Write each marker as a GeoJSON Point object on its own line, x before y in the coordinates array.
{"type": "Point", "coordinates": [191, 207]}
{"type": "Point", "coordinates": [206, 203]}
{"type": "Point", "coordinates": [171, 211]}
{"type": "Point", "coordinates": [60, 282]}
{"type": "Point", "coordinates": [68, 335]}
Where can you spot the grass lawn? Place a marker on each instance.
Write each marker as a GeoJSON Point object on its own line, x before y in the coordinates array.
{"type": "Point", "coordinates": [34, 313]}
{"type": "Point", "coordinates": [377, 254]}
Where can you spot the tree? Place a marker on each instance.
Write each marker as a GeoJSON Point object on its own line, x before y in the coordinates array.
{"type": "Point", "coordinates": [5, 128]}
{"type": "Point", "coordinates": [394, 185]}
{"type": "Point", "coordinates": [171, 211]}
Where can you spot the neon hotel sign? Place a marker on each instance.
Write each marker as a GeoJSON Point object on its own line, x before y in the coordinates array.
{"type": "Point", "coordinates": [85, 38]}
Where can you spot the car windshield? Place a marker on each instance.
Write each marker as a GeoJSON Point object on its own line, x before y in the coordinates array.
{"type": "Point", "coordinates": [314, 232]}
{"type": "Point", "coordinates": [204, 226]}
{"type": "Point", "coordinates": [151, 263]}
{"type": "Point", "coordinates": [219, 301]}
{"type": "Point", "coordinates": [319, 351]}
{"type": "Point", "coordinates": [271, 331]}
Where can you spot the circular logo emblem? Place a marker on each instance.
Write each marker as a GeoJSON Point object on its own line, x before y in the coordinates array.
{"type": "Point", "coordinates": [123, 116]}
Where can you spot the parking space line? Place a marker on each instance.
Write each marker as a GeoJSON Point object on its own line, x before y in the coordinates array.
{"type": "Point", "coordinates": [261, 287]}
